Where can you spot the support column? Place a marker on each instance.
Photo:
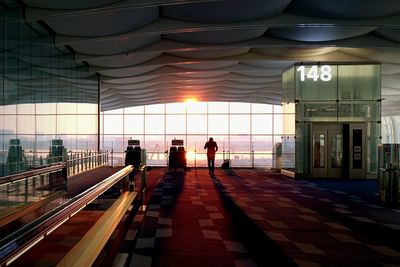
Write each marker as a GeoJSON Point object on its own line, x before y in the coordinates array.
{"type": "Point", "coordinates": [98, 111]}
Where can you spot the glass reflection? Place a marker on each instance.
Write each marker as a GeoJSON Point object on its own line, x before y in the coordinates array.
{"type": "Point", "coordinates": [318, 150]}
{"type": "Point", "coordinates": [337, 150]}
{"type": "Point", "coordinates": [248, 139]}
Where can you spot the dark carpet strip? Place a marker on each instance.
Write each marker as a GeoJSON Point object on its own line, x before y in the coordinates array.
{"type": "Point", "coordinates": [307, 220]}
{"type": "Point", "coordinates": [189, 223]}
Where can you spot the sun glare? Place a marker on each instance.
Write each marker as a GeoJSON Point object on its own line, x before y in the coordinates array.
{"type": "Point", "coordinates": [191, 100]}
{"type": "Point", "coordinates": [190, 155]}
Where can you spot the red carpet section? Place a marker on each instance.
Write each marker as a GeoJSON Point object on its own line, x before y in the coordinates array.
{"type": "Point", "coordinates": [257, 218]}
{"type": "Point", "coordinates": [54, 247]}
{"type": "Point", "coordinates": [314, 225]}
{"type": "Point", "coordinates": [189, 223]}
{"type": "Point", "coordinates": [242, 218]}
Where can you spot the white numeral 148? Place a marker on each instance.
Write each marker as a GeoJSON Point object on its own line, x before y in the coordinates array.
{"type": "Point", "coordinates": [324, 73]}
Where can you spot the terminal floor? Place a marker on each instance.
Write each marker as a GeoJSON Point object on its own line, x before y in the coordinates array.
{"type": "Point", "coordinates": [241, 218]}
{"type": "Point", "coordinates": [82, 181]}
{"type": "Point", "coordinates": [55, 246]}
{"type": "Point", "coordinates": [257, 218]}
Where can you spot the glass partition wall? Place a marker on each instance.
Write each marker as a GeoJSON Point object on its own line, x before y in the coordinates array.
{"type": "Point", "coordinates": [48, 100]}
{"type": "Point", "coordinates": [44, 96]}
{"type": "Point", "coordinates": [247, 134]}
{"type": "Point", "coordinates": [338, 118]}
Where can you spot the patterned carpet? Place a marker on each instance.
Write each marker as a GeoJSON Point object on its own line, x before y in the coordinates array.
{"type": "Point", "coordinates": [54, 247]}
{"type": "Point", "coordinates": [316, 223]}
{"type": "Point", "coordinates": [189, 223]}
{"type": "Point", "coordinates": [238, 217]}
{"type": "Point", "coordinates": [243, 218]}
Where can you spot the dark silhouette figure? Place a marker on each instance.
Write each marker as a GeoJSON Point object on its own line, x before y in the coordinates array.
{"type": "Point", "coordinates": [132, 157]}
{"type": "Point", "coordinates": [129, 156]}
{"type": "Point", "coordinates": [212, 148]}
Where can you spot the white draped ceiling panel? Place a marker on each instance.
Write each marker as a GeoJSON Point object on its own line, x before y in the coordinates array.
{"type": "Point", "coordinates": [149, 51]}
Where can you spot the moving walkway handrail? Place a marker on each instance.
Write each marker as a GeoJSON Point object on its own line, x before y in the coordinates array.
{"type": "Point", "coordinates": [17, 243]}
{"type": "Point", "coordinates": [87, 157]}
{"type": "Point", "coordinates": [35, 172]}
{"type": "Point", "coordinates": [79, 162]}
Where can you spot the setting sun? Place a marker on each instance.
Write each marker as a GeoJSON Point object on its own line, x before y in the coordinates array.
{"type": "Point", "coordinates": [190, 155]}
{"type": "Point", "coordinates": [191, 100]}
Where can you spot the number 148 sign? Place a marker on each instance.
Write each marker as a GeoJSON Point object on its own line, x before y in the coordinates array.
{"type": "Point", "coordinates": [323, 73]}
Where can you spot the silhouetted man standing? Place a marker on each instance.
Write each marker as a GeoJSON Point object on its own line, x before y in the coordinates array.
{"type": "Point", "coordinates": [212, 148]}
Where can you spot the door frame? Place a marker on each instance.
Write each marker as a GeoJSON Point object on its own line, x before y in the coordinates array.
{"type": "Point", "coordinates": [358, 172]}
{"type": "Point", "coordinates": [318, 171]}
{"type": "Point", "coordinates": [328, 129]}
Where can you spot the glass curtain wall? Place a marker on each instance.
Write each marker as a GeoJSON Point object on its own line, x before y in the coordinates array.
{"type": "Point", "coordinates": [338, 93]}
{"type": "Point", "coordinates": [390, 134]}
{"type": "Point", "coordinates": [246, 133]}
{"type": "Point", "coordinates": [44, 95]}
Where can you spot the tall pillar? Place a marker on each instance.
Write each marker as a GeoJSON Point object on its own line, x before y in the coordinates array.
{"type": "Point", "coordinates": [98, 111]}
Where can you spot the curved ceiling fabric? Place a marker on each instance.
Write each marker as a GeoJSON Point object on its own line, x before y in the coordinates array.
{"type": "Point", "coordinates": [225, 12]}
{"type": "Point", "coordinates": [160, 51]}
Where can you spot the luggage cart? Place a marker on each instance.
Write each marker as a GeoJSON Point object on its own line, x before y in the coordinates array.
{"type": "Point", "coordinates": [177, 155]}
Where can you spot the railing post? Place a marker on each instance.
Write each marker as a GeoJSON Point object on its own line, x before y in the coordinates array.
{"type": "Point", "coordinates": [252, 159]}
{"type": "Point", "coordinates": [79, 162]}
{"type": "Point", "coordinates": [26, 189]}
{"type": "Point", "coordinates": [82, 161]}
{"type": "Point", "coordinates": [86, 159]}
{"type": "Point", "coordinates": [67, 166]}
{"type": "Point", "coordinates": [73, 164]}
{"type": "Point", "coordinates": [90, 160]}
{"type": "Point", "coordinates": [65, 175]}
{"type": "Point", "coordinates": [112, 158]}
{"type": "Point", "coordinates": [143, 178]}
{"type": "Point", "coordinates": [143, 183]}
{"type": "Point", "coordinates": [76, 167]}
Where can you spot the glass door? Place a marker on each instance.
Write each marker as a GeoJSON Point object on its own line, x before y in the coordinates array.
{"type": "Point", "coordinates": [335, 151]}
{"type": "Point", "coordinates": [327, 150]}
{"type": "Point", "coordinates": [319, 152]}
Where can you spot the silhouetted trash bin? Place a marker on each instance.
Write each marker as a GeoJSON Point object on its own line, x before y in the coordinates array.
{"type": "Point", "coordinates": [177, 155]}
{"type": "Point", "coordinates": [226, 164]}
{"type": "Point", "coordinates": [389, 174]}
{"type": "Point", "coordinates": [133, 157]}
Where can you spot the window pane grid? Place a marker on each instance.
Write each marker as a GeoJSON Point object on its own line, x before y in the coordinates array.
{"type": "Point", "coordinates": [246, 133]}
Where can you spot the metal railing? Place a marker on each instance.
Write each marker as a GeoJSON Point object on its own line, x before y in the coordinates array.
{"type": "Point", "coordinates": [36, 172]}
{"type": "Point", "coordinates": [82, 161]}
{"type": "Point", "coordinates": [389, 174]}
{"type": "Point", "coordinates": [76, 162]}
{"type": "Point", "coordinates": [389, 186]}
{"type": "Point", "coordinates": [253, 159]}
{"type": "Point", "coordinates": [23, 189]}
{"type": "Point", "coordinates": [20, 241]}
